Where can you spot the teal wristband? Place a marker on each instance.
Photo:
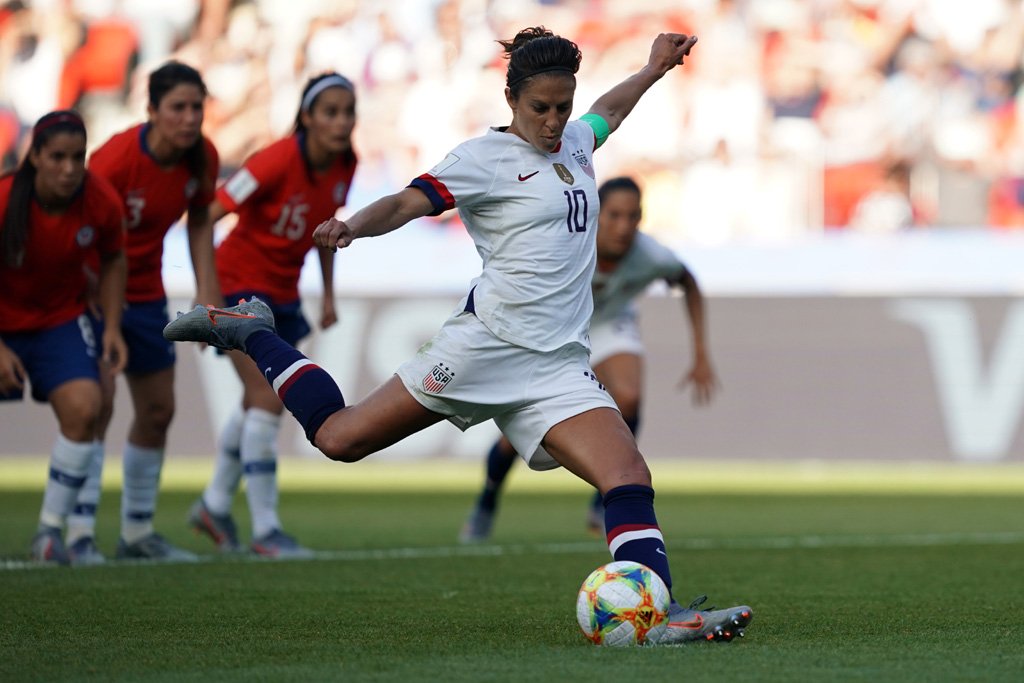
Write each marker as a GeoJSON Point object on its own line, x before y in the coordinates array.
{"type": "Point", "coordinates": [598, 125]}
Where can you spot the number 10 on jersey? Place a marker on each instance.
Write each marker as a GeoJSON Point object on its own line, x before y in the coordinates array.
{"type": "Point", "coordinates": [576, 219]}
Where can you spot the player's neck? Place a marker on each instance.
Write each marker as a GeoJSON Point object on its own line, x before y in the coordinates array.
{"type": "Point", "coordinates": [162, 151]}
{"type": "Point", "coordinates": [53, 204]}
{"type": "Point", "coordinates": [319, 158]}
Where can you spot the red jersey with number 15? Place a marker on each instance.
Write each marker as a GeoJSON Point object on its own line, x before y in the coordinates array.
{"type": "Point", "coordinates": [48, 288]}
{"type": "Point", "coordinates": [154, 198]}
{"type": "Point", "coordinates": [279, 205]}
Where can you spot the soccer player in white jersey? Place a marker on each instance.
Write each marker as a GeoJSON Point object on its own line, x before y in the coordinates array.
{"type": "Point", "coordinates": [516, 351]}
{"type": "Point", "coordinates": [627, 262]}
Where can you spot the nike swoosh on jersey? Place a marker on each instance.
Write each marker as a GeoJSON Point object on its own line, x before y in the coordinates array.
{"type": "Point", "coordinates": [527, 177]}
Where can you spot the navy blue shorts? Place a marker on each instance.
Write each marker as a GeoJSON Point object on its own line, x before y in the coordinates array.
{"type": "Point", "coordinates": [142, 326]}
{"type": "Point", "coordinates": [291, 325]}
{"type": "Point", "coordinates": [57, 355]}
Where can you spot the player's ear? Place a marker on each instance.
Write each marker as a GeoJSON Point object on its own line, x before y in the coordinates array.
{"type": "Point", "coordinates": [508, 98]}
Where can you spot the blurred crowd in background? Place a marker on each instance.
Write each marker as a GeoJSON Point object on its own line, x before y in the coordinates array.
{"type": "Point", "coordinates": [792, 117]}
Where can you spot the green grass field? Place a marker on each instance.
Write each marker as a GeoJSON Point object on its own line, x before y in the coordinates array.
{"type": "Point", "coordinates": [901, 573]}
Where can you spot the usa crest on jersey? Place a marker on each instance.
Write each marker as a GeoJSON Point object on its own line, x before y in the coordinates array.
{"type": "Point", "coordinates": [437, 379]}
{"type": "Point", "coordinates": [581, 158]}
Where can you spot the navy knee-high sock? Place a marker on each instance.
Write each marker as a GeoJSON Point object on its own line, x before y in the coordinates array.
{"type": "Point", "coordinates": [633, 532]}
{"type": "Point", "coordinates": [499, 462]}
{"type": "Point", "coordinates": [306, 390]}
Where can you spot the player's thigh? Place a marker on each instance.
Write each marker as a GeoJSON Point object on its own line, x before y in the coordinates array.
{"type": "Point", "coordinates": [256, 390]}
{"type": "Point", "coordinates": [622, 375]}
{"type": "Point", "coordinates": [598, 447]}
{"type": "Point", "coordinates": [77, 404]}
{"type": "Point", "coordinates": [386, 416]}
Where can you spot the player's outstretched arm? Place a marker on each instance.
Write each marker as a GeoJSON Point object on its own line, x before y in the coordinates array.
{"type": "Point", "coordinates": [701, 374]}
{"type": "Point", "coordinates": [113, 276]}
{"type": "Point", "coordinates": [381, 217]}
{"type": "Point", "coordinates": [667, 52]}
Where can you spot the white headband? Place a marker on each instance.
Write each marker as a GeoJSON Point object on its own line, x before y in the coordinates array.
{"type": "Point", "coordinates": [332, 81]}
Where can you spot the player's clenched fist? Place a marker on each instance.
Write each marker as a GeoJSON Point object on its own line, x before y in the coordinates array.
{"type": "Point", "coordinates": [333, 234]}
{"type": "Point", "coordinates": [669, 49]}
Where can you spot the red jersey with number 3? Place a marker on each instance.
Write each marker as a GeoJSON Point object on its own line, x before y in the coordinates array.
{"type": "Point", "coordinates": [154, 198]}
{"type": "Point", "coordinates": [49, 287]}
{"type": "Point", "coordinates": [279, 203]}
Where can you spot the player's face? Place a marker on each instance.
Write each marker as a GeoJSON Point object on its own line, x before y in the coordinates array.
{"type": "Point", "coordinates": [178, 118]}
{"type": "Point", "coordinates": [60, 166]}
{"type": "Point", "coordinates": [542, 109]}
{"type": "Point", "coordinates": [617, 224]}
{"type": "Point", "coordinates": [331, 119]}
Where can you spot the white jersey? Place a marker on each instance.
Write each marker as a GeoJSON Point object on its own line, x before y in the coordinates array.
{"type": "Point", "coordinates": [646, 261]}
{"type": "Point", "coordinates": [533, 218]}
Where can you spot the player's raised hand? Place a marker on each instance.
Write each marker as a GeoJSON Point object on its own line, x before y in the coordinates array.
{"type": "Point", "coordinates": [669, 50]}
{"type": "Point", "coordinates": [333, 234]}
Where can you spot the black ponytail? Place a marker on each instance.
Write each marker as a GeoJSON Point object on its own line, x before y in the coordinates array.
{"type": "Point", "coordinates": [19, 201]}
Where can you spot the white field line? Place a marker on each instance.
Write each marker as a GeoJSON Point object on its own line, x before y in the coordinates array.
{"type": "Point", "coordinates": [584, 547]}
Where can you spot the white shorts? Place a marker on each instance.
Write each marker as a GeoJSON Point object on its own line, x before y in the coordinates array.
{"type": "Point", "coordinates": [469, 375]}
{"type": "Point", "coordinates": [615, 336]}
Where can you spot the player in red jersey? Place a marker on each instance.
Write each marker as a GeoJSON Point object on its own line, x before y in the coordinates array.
{"type": "Point", "coordinates": [57, 217]}
{"type": "Point", "coordinates": [281, 194]}
{"type": "Point", "coordinates": [161, 169]}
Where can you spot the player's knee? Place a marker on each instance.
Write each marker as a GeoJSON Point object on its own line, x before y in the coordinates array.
{"type": "Point", "coordinates": [79, 419]}
{"type": "Point", "coordinates": [157, 416]}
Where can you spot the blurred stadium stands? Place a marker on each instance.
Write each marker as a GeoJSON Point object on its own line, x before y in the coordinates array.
{"type": "Point", "coordinates": [793, 118]}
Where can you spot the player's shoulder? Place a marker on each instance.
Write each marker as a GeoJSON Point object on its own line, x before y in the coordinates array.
{"type": "Point", "coordinates": [99, 193]}
{"type": "Point", "coordinates": [648, 248]}
{"type": "Point", "coordinates": [283, 149]}
{"type": "Point", "coordinates": [211, 150]}
{"type": "Point", "coordinates": [125, 142]}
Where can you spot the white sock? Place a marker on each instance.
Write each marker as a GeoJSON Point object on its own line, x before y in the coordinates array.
{"type": "Point", "coordinates": [227, 467]}
{"type": "Point", "coordinates": [138, 497]}
{"type": "Point", "coordinates": [259, 461]}
{"type": "Point", "coordinates": [82, 520]}
{"type": "Point", "coordinates": [69, 466]}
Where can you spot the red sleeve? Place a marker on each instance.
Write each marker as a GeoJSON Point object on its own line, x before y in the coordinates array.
{"type": "Point", "coordinates": [258, 174]}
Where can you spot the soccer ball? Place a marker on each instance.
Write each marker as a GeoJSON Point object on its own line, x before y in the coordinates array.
{"type": "Point", "coordinates": [623, 603]}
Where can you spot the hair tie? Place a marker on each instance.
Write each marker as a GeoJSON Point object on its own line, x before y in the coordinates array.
{"type": "Point", "coordinates": [332, 81]}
